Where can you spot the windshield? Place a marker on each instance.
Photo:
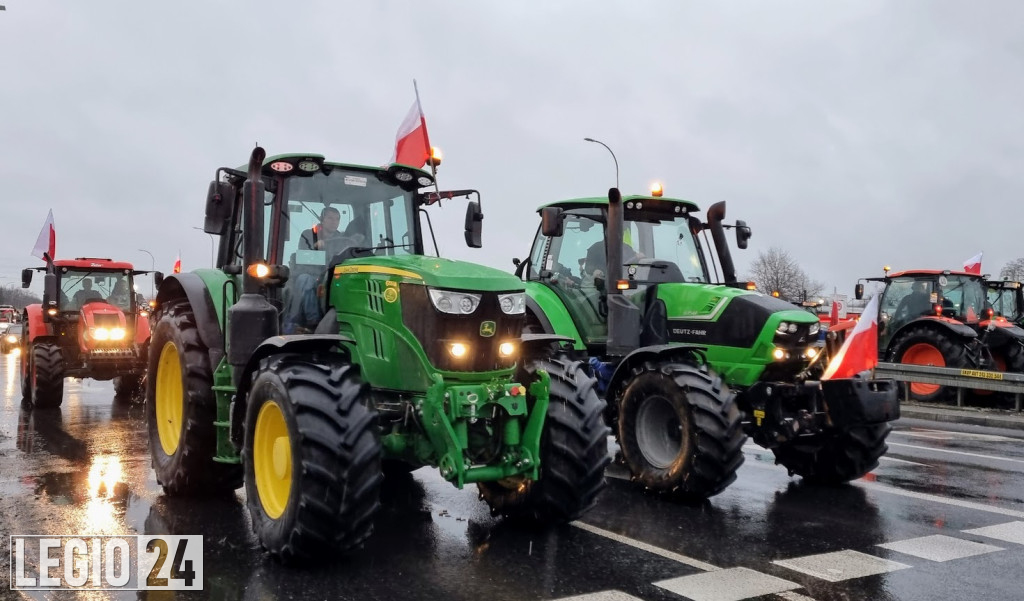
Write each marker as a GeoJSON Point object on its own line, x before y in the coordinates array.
{"type": "Point", "coordinates": [665, 241]}
{"type": "Point", "coordinates": [1004, 302]}
{"type": "Point", "coordinates": [966, 296]}
{"type": "Point", "coordinates": [329, 214]}
{"type": "Point", "coordinates": [79, 286]}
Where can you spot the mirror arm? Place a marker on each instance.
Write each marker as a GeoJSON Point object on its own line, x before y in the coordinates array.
{"type": "Point", "coordinates": [431, 227]}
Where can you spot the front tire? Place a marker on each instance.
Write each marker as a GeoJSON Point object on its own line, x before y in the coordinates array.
{"type": "Point", "coordinates": [841, 457]}
{"type": "Point", "coordinates": [181, 409]}
{"type": "Point", "coordinates": [573, 450]}
{"type": "Point", "coordinates": [680, 431]}
{"type": "Point", "coordinates": [312, 458]}
{"type": "Point", "coordinates": [46, 375]}
{"type": "Point", "coordinates": [925, 345]}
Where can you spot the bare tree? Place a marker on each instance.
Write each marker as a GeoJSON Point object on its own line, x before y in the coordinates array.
{"type": "Point", "coordinates": [1013, 271]}
{"type": "Point", "coordinates": [775, 270]}
{"type": "Point", "coordinates": [9, 295]}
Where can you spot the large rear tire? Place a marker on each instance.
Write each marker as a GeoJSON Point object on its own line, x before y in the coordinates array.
{"type": "Point", "coordinates": [47, 375]}
{"type": "Point", "coordinates": [573, 450]}
{"type": "Point", "coordinates": [680, 431]}
{"type": "Point", "coordinates": [929, 345]}
{"type": "Point", "coordinates": [838, 457]}
{"type": "Point", "coordinates": [181, 409]}
{"type": "Point", "coordinates": [25, 367]}
{"type": "Point", "coordinates": [312, 457]}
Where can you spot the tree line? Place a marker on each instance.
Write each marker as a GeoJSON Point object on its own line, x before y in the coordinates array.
{"type": "Point", "coordinates": [19, 297]}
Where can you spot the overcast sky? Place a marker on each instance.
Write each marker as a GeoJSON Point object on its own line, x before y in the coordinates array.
{"type": "Point", "coordinates": [851, 134]}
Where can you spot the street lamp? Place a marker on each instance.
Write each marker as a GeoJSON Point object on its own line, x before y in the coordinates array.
{"type": "Point", "coordinates": [213, 260]}
{"type": "Point", "coordinates": [613, 157]}
{"type": "Point", "coordinates": [152, 267]}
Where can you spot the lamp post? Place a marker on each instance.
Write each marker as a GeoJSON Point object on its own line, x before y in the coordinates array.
{"type": "Point", "coordinates": [152, 267]}
{"type": "Point", "coordinates": [613, 157]}
{"type": "Point", "coordinates": [213, 260]}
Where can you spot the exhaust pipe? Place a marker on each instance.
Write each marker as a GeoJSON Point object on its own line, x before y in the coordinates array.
{"type": "Point", "coordinates": [623, 316]}
{"type": "Point", "coordinates": [252, 204]}
{"type": "Point", "coordinates": [716, 213]}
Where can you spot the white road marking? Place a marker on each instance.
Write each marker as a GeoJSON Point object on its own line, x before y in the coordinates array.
{"type": "Point", "coordinates": [937, 499]}
{"type": "Point", "coordinates": [693, 563]}
{"type": "Point", "coordinates": [732, 584]}
{"type": "Point", "coordinates": [993, 457]}
{"type": "Point", "coordinates": [952, 435]}
{"type": "Point", "coordinates": [893, 459]}
{"type": "Point", "coordinates": [601, 596]}
{"type": "Point", "coordinates": [841, 565]}
{"type": "Point", "coordinates": [791, 596]}
{"type": "Point", "coordinates": [1011, 532]}
{"type": "Point", "coordinates": [939, 547]}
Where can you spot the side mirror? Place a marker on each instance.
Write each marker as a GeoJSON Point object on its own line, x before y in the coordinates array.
{"type": "Point", "coordinates": [158, 278]}
{"type": "Point", "coordinates": [49, 290]}
{"type": "Point", "coordinates": [26, 277]}
{"type": "Point", "coordinates": [858, 291]}
{"type": "Point", "coordinates": [696, 225]}
{"type": "Point", "coordinates": [220, 201]}
{"type": "Point", "coordinates": [742, 233]}
{"type": "Point", "coordinates": [552, 221]}
{"type": "Point", "coordinates": [474, 225]}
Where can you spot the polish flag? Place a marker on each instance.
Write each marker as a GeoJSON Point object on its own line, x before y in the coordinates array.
{"type": "Point", "coordinates": [860, 349]}
{"type": "Point", "coordinates": [412, 145]}
{"type": "Point", "coordinates": [177, 265]}
{"type": "Point", "coordinates": [973, 265]}
{"type": "Point", "coordinates": [46, 243]}
{"type": "Point", "coordinates": [833, 319]}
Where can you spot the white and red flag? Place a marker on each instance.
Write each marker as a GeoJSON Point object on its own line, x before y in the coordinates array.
{"type": "Point", "coordinates": [860, 349]}
{"type": "Point", "coordinates": [973, 265]}
{"type": "Point", "coordinates": [46, 243]}
{"type": "Point", "coordinates": [412, 144]}
{"type": "Point", "coordinates": [833, 318]}
{"type": "Point", "coordinates": [177, 264]}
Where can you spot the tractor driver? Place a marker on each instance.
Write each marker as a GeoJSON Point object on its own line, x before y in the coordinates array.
{"type": "Point", "coordinates": [119, 295]}
{"type": "Point", "coordinates": [316, 237]}
{"type": "Point", "coordinates": [918, 302]}
{"type": "Point", "coordinates": [595, 265]}
{"type": "Point", "coordinates": [86, 293]}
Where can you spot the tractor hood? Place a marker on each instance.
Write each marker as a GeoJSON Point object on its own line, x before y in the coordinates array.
{"type": "Point", "coordinates": [713, 314]}
{"type": "Point", "coordinates": [436, 272]}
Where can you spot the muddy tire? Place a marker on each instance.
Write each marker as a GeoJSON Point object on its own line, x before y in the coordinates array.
{"type": "Point", "coordinates": [840, 457]}
{"type": "Point", "coordinates": [46, 375]}
{"type": "Point", "coordinates": [25, 369]}
{"type": "Point", "coordinates": [181, 408]}
{"type": "Point", "coordinates": [925, 345]}
{"type": "Point", "coordinates": [680, 431]}
{"type": "Point", "coordinates": [312, 457]}
{"type": "Point", "coordinates": [573, 450]}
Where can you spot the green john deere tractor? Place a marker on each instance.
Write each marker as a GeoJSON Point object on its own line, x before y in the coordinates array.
{"type": "Point", "coordinates": [689, 368]}
{"type": "Point", "coordinates": [311, 363]}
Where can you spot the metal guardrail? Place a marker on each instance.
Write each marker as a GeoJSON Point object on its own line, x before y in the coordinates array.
{"type": "Point", "coordinates": [959, 378]}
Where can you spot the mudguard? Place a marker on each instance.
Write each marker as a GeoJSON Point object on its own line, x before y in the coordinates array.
{"type": "Point", "coordinates": [1002, 334]}
{"type": "Point", "coordinates": [952, 325]}
{"type": "Point", "coordinates": [191, 287]}
{"type": "Point", "coordinates": [690, 353]}
{"type": "Point", "coordinates": [37, 328]}
{"type": "Point", "coordinates": [300, 344]}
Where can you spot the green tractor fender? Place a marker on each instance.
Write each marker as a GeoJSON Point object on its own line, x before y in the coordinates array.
{"type": "Point", "coordinates": [300, 344]}
{"type": "Point", "coordinates": [195, 290]}
{"type": "Point", "coordinates": [551, 313]}
{"type": "Point", "coordinates": [688, 353]}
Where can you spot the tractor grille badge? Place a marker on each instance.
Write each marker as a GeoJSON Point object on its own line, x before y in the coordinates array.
{"type": "Point", "coordinates": [487, 328]}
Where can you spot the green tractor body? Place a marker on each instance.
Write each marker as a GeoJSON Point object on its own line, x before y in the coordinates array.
{"type": "Point", "coordinates": [689, 366]}
{"type": "Point", "coordinates": [311, 362]}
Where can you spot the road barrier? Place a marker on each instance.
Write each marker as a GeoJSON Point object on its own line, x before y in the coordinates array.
{"type": "Point", "coordinates": [960, 379]}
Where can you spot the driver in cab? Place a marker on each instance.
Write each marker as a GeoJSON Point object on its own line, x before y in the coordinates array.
{"type": "Point", "coordinates": [317, 236]}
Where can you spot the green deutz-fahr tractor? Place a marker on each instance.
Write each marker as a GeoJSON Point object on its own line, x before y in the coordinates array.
{"type": "Point", "coordinates": [689, 367]}
{"type": "Point", "coordinates": [414, 360]}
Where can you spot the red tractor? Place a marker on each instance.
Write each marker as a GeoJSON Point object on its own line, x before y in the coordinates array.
{"type": "Point", "coordinates": [91, 324]}
{"type": "Point", "coordinates": [943, 319]}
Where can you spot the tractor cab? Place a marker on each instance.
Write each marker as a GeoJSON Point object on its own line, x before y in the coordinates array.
{"type": "Point", "coordinates": [1006, 300]}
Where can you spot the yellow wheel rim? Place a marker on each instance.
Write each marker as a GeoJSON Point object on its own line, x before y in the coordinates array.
{"type": "Point", "coordinates": [170, 399]}
{"type": "Point", "coordinates": [272, 459]}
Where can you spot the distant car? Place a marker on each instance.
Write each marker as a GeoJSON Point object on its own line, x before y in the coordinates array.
{"type": "Point", "coordinates": [10, 340]}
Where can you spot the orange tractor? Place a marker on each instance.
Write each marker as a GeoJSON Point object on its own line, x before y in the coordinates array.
{"type": "Point", "coordinates": [943, 319]}
{"type": "Point", "coordinates": [91, 324]}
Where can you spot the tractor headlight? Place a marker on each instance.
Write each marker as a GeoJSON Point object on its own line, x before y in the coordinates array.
{"type": "Point", "coordinates": [99, 333]}
{"type": "Point", "coordinates": [458, 349]}
{"type": "Point", "coordinates": [814, 328]}
{"type": "Point", "coordinates": [811, 352]}
{"type": "Point", "coordinates": [117, 333]}
{"type": "Point", "coordinates": [506, 349]}
{"type": "Point", "coordinates": [779, 354]}
{"type": "Point", "coordinates": [456, 303]}
{"type": "Point", "coordinates": [12, 338]}
{"type": "Point", "coordinates": [512, 304]}
{"type": "Point", "coordinates": [782, 328]}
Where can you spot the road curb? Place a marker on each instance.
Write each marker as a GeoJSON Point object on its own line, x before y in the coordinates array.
{"type": "Point", "coordinates": [942, 414]}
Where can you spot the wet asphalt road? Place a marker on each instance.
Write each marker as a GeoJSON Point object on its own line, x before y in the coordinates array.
{"type": "Point", "coordinates": [85, 469]}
